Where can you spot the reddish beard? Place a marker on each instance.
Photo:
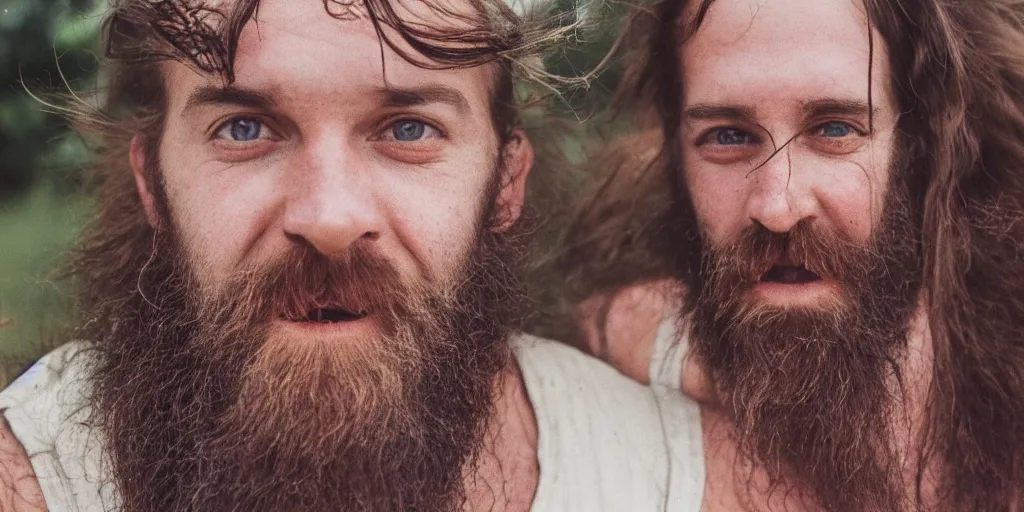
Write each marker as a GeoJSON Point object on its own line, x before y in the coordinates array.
{"type": "Point", "coordinates": [810, 390]}
{"type": "Point", "coordinates": [205, 407]}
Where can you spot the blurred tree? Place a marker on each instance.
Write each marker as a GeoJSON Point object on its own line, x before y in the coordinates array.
{"type": "Point", "coordinates": [603, 21]}
{"type": "Point", "coordinates": [46, 46]}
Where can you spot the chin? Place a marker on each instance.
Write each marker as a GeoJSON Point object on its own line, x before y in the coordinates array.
{"type": "Point", "coordinates": [348, 331]}
{"type": "Point", "coordinates": [818, 295]}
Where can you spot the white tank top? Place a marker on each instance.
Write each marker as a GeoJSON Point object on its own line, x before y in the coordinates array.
{"type": "Point", "coordinates": [602, 444]}
{"type": "Point", "coordinates": [680, 418]}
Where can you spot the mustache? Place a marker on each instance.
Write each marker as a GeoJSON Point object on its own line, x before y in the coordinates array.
{"type": "Point", "coordinates": [825, 252]}
{"type": "Point", "coordinates": [303, 280]}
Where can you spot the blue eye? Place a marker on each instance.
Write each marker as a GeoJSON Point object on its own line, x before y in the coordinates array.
{"type": "Point", "coordinates": [408, 130]}
{"type": "Point", "coordinates": [241, 129]}
{"type": "Point", "coordinates": [835, 129]}
{"type": "Point", "coordinates": [733, 137]}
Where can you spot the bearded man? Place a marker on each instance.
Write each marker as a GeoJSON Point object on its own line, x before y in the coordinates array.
{"type": "Point", "coordinates": [843, 312]}
{"type": "Point", "coordinates": [300, 293]}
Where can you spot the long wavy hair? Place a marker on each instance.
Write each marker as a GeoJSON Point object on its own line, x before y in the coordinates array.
{"type": "Point", "coordinates": [957, 69]}
{"type": "Point", "coordinates": [615, 234]}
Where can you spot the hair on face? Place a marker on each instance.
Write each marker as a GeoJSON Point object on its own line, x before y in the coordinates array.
{"type": "Point", "coordinates": [615, 234]}
{"type": "Point", "coordinates": [139, 35]}
{"type": "Point", "coordinates": [957, 70]}
{"type": "Point", "coordinates": [117, 259]}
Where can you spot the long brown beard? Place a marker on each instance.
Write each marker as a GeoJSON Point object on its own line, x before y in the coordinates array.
{"type": "Point", "coordinates": [205, 408]}
{"type": "Point", "coordinates": [811, 391]}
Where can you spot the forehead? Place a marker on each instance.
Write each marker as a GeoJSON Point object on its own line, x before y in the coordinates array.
{"type": "Point", "coordinates": [772, 49]}
{"type": "Point", "coordinates": [299, 50]}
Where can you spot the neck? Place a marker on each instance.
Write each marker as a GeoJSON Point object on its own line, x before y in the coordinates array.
{"type": "Point", "coordinates": [910, 418]}
{"type": "Point", "coordinates": [507, 473]}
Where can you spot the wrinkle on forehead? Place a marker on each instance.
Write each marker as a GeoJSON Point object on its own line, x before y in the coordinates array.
{"type": "Point", "coordinates": [201, 29]}
{"type": "Point", "coordinates": [813, 48]}
{"type": "Point", "coordinates": [742, 23]}
{"type": "Point", "coordinates": [729, 23]}
{"type": "Point", "coordinates": [295, 42]}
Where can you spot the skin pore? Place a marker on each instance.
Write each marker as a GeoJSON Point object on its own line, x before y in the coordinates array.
{"type": "Point", "coordinates": [781, 128]}
{"type": "Point", "coordinates": [326, 142]}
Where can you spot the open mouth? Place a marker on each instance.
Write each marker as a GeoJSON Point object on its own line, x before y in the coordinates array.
{"type": "Point", "coordinates": [330, 315]}
{"type": "Point", "coordinates": [789, 274]}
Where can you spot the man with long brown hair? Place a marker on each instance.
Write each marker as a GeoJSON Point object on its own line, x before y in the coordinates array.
{"type": "Point", "coordinates": [843, 308]}
{"type": "Point", "coordinates": [299, 291]}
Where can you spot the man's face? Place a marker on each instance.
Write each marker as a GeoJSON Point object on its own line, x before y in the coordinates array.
{"type": "Point", "coordinates": [809, 258]}
{"type": "Point", "coordinates": [321, 319]}
{"type": "Point", "coordinates": [776, 131]}
{"type": "Point", "coordinates": [316, 144]}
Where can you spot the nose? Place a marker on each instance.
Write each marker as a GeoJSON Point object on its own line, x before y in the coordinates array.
{"type": "Point", "coordinates": [331, 204]}
{"type": "Point", "coordinates": [781, 197]}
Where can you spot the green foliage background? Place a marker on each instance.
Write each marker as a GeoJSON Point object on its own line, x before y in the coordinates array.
{"type": "Point", "coordinates": [41, 209]}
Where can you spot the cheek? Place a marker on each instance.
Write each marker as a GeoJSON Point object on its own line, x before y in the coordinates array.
{"type": "Point", "coordinates": [434, 213]}
{"type": "Point", "coordinates": [718, 201]}
{"type": "Point", "coordinates": [219, 212]}
{"type": "Point", "coordinates": [852, 202]}
{"type": "Point", "coordinates": [852, 194]}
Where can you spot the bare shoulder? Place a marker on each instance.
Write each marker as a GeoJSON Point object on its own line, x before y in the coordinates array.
{"type": "Point", "coordinates": [19, 487]}
{"type": "Point", "coordinates": [621, 327]}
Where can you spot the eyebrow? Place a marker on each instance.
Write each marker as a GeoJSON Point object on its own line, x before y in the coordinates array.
{"type": "Point", "coordinates": [709, 112]}
{"type": "Point", "coordinates": [230, 95]}
{"type": "Point", "coordinates": [397, 97]}
{"type": "Point", "coordinates": [393, 97]}
{"type": "Point", "coordinates": [817, 108]}
{"type": "Point", "coordinates": [837, 107]}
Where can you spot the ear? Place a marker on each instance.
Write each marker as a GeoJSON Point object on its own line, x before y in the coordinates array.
{"type": "Point", "coordinates": [137, 157]}
{"type": "Point", "coordinates": [518, 163]}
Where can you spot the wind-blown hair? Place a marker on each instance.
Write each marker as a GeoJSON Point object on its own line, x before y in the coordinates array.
{"type": "Point", "coordinates": [957, 70]}
{"type": "Point", "coordinates": [139, 34]}
{"type": "Point", "coordinates": [614, 234]}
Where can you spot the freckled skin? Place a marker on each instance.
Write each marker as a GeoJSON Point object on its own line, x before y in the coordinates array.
{"type": "Point", "coordinates": [790, 54]}
{"type": "Point", "coordinates": [325, 168]}
{"type": "Point", "coordinates": [19, 488]}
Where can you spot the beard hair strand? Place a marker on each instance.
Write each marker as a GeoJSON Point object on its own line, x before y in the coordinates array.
{"type": "Point", "coordinates": [204, 407]}
{"type": "Point", "coordinates": [810, 392]}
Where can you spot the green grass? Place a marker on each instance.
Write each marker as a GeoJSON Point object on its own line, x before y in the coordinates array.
{"type": "Point", "coordinates": [35, 232]}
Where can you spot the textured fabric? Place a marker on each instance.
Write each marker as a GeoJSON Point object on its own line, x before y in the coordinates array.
{"type": "Point", "coordinates": [667, 358]}
{"type": "Point", "coordinates": [601, 443]}
{"type": "Point", "coordinates": [680, 418]}
{"type": "Point", "coordinates": [46, 409]}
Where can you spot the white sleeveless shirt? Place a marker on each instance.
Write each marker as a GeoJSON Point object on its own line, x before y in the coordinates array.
{"type": "Point", "coordinates": [680, 418]}
{"type": "Point", "coordinates": [602, 444]}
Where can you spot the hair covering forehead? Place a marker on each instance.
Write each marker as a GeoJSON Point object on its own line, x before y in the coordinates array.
{"type": "Point", "coordinates": [205, 33]}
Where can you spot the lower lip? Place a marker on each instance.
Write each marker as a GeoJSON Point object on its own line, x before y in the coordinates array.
{"type": "Point", "coordinates": [346, 328]}
{"type": "Point", "coordinates": [811, 293]}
